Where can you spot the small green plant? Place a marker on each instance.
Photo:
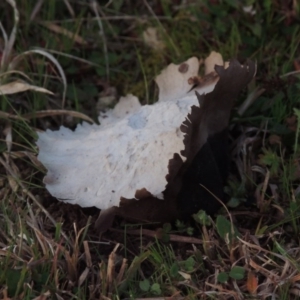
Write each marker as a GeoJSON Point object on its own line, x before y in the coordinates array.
{"type": "Point", "coordinates": [272, 160]}
{"type": "Point", "coordinates": [182, 227]}
{"type": "Point", "coordinates": [236, 273]}
{"type": "Point", "coordinates": [202, 218]}
{"type": "Point", "coordinates": [145, 285]}
{"type": "Point", "coordinates": [226, 229]}
{"type": "Point", "coordinates": [155, 289]}
{"type": "Point", "coordinates": [69, 49]}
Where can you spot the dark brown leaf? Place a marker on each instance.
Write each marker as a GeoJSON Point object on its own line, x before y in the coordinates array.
{"type": "Point", "coordinates": [206, 161]}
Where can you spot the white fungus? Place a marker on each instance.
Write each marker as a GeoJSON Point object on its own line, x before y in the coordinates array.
{"type": "Point", "coordinates": [96, 165]}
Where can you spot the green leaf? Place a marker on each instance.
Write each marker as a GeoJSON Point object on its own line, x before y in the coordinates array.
{"type": "Point", "coordinates": [40, 278]}
{"type": "Point", "coordinates": [155, 289]}
{"type": "Point", "coordinates": [113, 58]}
{"type": "Point", "coordinates": [117, 4]}
{"type": "Point", "coordinates": [294, 207]}
{"type": "Point", "coordinates": [165, 237]}
{"type": "Point", "coordinates": [180, 224]}
{"type": "Point", "coordinates": [267, 4]}
{"type": "Point", "coordinates": [174, 270]}
{"type": "Point", "coordinates": [101, 71]}
{"type": "Point", "coordinates": [262, 230]}
{"type": "Point", "coordinates": [270, 159]}
{"type": "Point", "coordinates": [189, 264]}
{"type": "Point", "coordinates": [234, 202]}
{"type": "Point", "coordinates": [58, 227]}
{"type": "Point", "coordinates": [237, 273]}
{"type": "Point", "coordinates": [144, 285]}
{"type": "Point", "coordinates": [167, 227]}
{"type": "Point", "coordinates": [222, 277]}
{"type": "Point", "coordinates": [14, 281]}
{"type": "Point", "coordinates": [190, 231]}
{"type": "Point", "coordinates": [233, 3]}
{"type": "Point", "coordinates": [202, 218]}
{"type": "Point", "coordinates": [256, 29]}
{"type": "Point", "coordinates": [224, 228]}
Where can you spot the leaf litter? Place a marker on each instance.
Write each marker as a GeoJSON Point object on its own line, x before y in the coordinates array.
{"type": "Point", "coordinates": [201, 282]}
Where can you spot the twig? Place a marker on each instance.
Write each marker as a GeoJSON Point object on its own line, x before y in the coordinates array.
{"type": "Point", "coordinates": [297, 72]}
{"type": "Point", "coordinates": [113, 18]}
{"type": "Point", "coordinates": [154, 234]}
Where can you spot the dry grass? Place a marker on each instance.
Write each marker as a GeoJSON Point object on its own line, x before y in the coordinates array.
{"type": "Point", "coordinates": [50, 250]}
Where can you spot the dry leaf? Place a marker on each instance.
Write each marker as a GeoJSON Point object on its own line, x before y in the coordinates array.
{"type": "Point", "coordinates": [203, 162]}
{"type": "Point", "coordinates": [249, 9]}
{"type": "Point", "coordinates": [152, 39]}
{"type": "Point", "coordinates": [18, 87]}
{"type": "Point", "coordinates": [43, 296]}
{"type": "Point", "coordinates": [252, 283]}
{"type": "Point", "coordinates": [58, 29]}
{"type": "Point", "coordinates": [7, 131]}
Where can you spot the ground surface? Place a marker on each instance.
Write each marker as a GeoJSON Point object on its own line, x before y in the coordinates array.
{"type": "Point", "coordinates": [50, 250]}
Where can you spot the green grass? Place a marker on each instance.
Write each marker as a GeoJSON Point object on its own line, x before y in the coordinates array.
{"type": "Point", "coordinates": [50, 248]}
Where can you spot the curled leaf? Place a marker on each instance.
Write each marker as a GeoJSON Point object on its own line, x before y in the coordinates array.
{"type": "Point", "coordinates": [18, 87]}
